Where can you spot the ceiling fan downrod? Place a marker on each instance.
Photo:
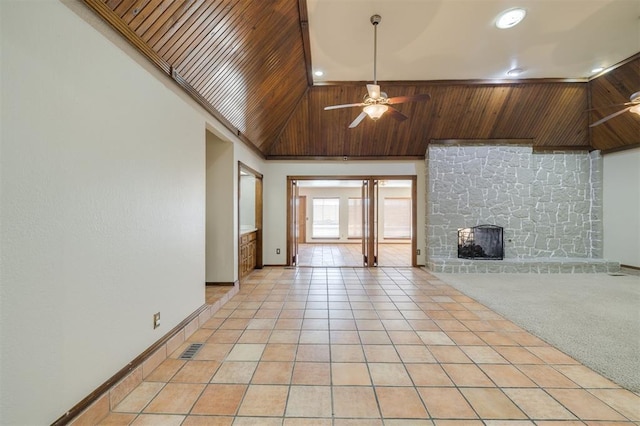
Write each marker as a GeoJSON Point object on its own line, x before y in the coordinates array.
{"type": "Point", "coordinates": [375, 20]}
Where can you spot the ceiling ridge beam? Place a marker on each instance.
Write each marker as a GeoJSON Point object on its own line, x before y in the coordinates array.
{"type": "Point", "coordinates": [476, 82]}
{"type": "Point", "coordinates": [306, 39]}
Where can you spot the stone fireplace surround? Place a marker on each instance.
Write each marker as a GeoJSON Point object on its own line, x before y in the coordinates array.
{"type": "Point", "coordinates": [549, 204]}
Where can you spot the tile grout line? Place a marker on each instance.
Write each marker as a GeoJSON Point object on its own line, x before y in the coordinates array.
{"type": "Point", "coordinates": [357, 330]}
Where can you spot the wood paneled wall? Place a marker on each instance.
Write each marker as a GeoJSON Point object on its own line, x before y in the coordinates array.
{"type": "Point", "coordinates": [544, 114]}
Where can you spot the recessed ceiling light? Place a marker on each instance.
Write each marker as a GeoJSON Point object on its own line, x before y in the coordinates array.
{"type": "Point", "coordinates": [514, 72]}
{"type": "Point", "coordinates": [597, 70]}
{"type": "Point", "coordinates": [510, 18]}
{"type": "Point", "coordinates": [318, 73]}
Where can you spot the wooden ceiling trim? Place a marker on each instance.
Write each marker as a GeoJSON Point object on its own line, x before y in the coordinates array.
{"type": "Point", "coordinates": [538, 148]}
{"type": "Point", "coordinates": [620, 148]}
{"type": "Point", "coordinates": [480, 142]}
{"type": "Point", "coordinates": [114, 20]}
{"type": "Point", "coordinates": [306, 42]}
{"type": "Point", "coordinates": [471, 82]}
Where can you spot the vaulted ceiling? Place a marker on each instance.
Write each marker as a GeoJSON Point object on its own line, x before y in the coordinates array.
{"type": "Point", "coordinates": [250, 64]}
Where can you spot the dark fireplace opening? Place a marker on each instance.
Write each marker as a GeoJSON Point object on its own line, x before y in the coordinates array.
{"type": "Point", "coordinates": [481, 242]}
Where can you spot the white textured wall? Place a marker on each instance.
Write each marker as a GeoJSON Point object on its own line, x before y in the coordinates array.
{"type": "Point", "coordinates": [275, 190]}
{"type": "Point", "coordinates": [621, 217]}
{"type": "Point", "coordinates": [247, 206]}
{"type": "Point", "coordinates": [102, 210]}
{"type": "Point", "coordinates": [220, 220]}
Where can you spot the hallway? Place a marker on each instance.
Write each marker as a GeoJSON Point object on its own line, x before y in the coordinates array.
{"type": "Point", "coordinates": [355, 346]}
{"type": "Point", "coordinates": [338, 255]}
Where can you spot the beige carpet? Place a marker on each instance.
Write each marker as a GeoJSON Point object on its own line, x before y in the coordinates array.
{"type": "Point", "coordinates": [595, 318]}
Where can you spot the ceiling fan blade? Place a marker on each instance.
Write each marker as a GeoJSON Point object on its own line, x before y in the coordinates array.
{"type": "Point", "coordinates": [358, 120]}
{"type": "Point", "coordinates": [410, 98]}
{"type": "Point", "coordinates": [374, 91]}
{"type": "Point", "coordinates": [612, 106]}
{"type": "Point", "coordinates": [343, 106]}
{"type": "Point", "coordinates": [609, 117]}
{"type": "Point", "coordinates": [396, 114]}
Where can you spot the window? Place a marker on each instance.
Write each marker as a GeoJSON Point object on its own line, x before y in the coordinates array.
{"type": "Point", "coordinates": [355, 218]}
{"type": "Point", "coordinates": [397, 218]}
{"type": "Point", "coordinates": [326, 218]}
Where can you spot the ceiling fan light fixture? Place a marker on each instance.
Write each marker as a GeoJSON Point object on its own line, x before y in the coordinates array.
{"type": "Point", "coordinates": [510, 18]}
{"type": "Point", "coordinates": [635, 109]}
{"type": "Point", "coordinates": [375, 111]}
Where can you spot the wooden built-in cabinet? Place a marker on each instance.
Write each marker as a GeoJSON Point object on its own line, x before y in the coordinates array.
{"type": "Point", "coordinates": [248, 253]}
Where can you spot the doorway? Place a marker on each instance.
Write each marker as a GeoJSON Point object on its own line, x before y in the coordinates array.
{"type": "Point", "coordinates": [354, 221]}
{"type": "Point", "coordinates": [249, 220]}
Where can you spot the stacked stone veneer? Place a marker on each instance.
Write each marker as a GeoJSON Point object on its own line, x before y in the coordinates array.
{"type": "Point", "coordinates": [549, 204]}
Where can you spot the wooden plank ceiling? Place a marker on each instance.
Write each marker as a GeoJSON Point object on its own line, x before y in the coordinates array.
{"type": "Point", "coordinates": [248, 63]}
{"type": "Point", "coordinates": [607, 93]}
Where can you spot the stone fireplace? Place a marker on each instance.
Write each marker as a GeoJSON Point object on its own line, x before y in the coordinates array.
{"type": "Point", "coordinates": [549, 205]}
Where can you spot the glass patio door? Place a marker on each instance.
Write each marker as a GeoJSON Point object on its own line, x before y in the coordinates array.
{"type": "Point", "coordinates": [294, 223]}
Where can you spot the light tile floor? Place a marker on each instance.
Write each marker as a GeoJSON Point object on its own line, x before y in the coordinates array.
{"type": "Point", "coordinates": [388, 346]}
{"type": "Point", "coordinates": [350, 254]}
{"type": "Point", "coordinates": [213, 293]}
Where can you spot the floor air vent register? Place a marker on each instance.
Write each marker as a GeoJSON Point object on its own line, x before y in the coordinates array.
{"type": "Point", "coordinates": [191, 351]}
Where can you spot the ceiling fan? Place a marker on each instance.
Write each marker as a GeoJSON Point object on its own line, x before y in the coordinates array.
{"type": "Point", "coordinates": [375, 102]}
{"type": "Point", "coordinates": [632, 106]}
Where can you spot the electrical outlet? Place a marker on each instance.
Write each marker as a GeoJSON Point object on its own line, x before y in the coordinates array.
{"type": "Point", "coordinates": [418, 252]}
{"type": "Point", "coordinates": [156, 320]}
{"type": "Point", "coordinates": [277, 251]}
